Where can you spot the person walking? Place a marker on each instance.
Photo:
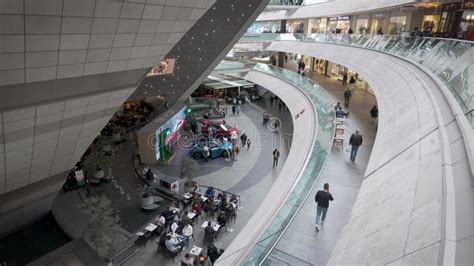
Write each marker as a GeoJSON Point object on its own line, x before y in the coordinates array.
{"type": "Point", "coordinates": [243, 140]}
{"type": "Point", "coordinates": [88, 186]}
{"type": "Point", "coordinates": [352, 81]}
{"type": "Point", "coordinates": [347, 97]}
{"type": "Point", "coordinates": [238, 109]}
{"type": "Point", "coordinates": [248, 144]}
{"type": "Point", "coordinates": [344, 79]}
{"type": "Point", "coordinates": [205, 152]}
{"type": "Point", "coordinates": [355, 141]}
{"type": "Point", "coordinates": [276, 156]}
{"type": "Point", "coordinates": [277, 125]}
{"type": "Point", "coordinates": [322, 200]}
{"type": "Point", "coordinates": [374, 113]}
{"type": "Point", "coordinates": [234, 109]}
{"type": "Point", "coordinates": [235, 152]}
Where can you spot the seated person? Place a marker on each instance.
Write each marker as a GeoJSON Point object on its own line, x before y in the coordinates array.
{"type": "Point", "coordinates": [212, 253]}
{"type": "Point", "coordinates": [209, 230]}
{"type": "Point", "coordinates": [209, 192]}
{"type": "Point", "coordinates": [222, 196]}
{"type": "Point", "coordinates": [210, 206]}
{"type": "Point", "coordinates": [185, 219]}
{"type": "Point", "coordinates": [222, 219]}
{"type": "Point", "coordinates": [149, 175]}
{"type": "Point", "coordinates": [169, 215]}
{"type": "Point", "coordinates": [341, 114]}
{"type": "Point", "coordinates": [222, 205]}
{"type": "Point", "coordinates": [233, 199]}
{"type": "Point", "coordinates": [160, 220]}
{"type": "Point", "coordinates": [176, 226]}
{"type": "Point", "coordinates": [188, 260]}
{"type": "Point", "coordinates": [187, 232]}
{"type": "Point", "coordinates": [196, 210]}
{"type": "Point", "coordinates": [172, 244]}
{"type": "Point", "coordinates": [145, 171]}
{"type": "Point", "coordinates": [338, 106]}
{"type": "Point", "coordinates": [230, 211]}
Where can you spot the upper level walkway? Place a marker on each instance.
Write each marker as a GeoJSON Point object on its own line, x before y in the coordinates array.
{"type": "Point", "coordinates": [301, 244]}
{"type": "Point", "coordinates": [415, 202]}
{"type": "Point", "coordinates": [326, 8]}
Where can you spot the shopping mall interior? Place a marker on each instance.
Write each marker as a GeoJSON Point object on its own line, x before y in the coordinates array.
{"type": "Point", "coordinates": [236, 132]}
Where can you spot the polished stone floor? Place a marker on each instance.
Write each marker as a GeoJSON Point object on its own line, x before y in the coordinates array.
{"type": "Point", "coordinates": [250, 177]}
{"type": "Point", "coordinates": [301, 244]}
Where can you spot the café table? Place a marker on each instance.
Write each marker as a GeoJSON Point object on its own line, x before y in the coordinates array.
{"type": "Point", "coordinates": [196, 251]}
{"type": "Point", "coordinates": [215, 225]}
{"type": "Point", "coordinates": [151, 227]}
{"type": "Point", "coordinates": [187, 196]}
{"type": "Point", "coordinates": [191, 215]}
{"type": "Point", "coordinates": [175, 210]}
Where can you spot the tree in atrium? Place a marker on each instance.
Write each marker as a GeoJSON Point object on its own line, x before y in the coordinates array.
{"type": "Point", "coordinates": [188, 168]}
{"type": "Point", "coordinates": [103, 226]}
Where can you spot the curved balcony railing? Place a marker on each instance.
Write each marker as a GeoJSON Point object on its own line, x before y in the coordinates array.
{"type": "Point", "coordinates": [316, 160]}
{"type": "Point", "coordinates": [450, 60]}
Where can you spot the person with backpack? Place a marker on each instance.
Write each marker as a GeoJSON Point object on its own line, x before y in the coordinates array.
{"type": "Point", "coordinates": [322, 199]}
{"type": "Point", "coordinates": [213, 253]}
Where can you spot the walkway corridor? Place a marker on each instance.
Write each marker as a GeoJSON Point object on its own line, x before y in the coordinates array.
{"type": "Point", "coordinates": [301, 244]}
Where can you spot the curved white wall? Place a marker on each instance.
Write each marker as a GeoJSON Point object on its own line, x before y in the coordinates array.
{"type": "Point", "coordinates": [304, 132]}
{"type": "Point", "coordinates": [415, 203]}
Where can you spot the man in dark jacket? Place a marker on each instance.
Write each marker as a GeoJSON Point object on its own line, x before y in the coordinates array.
{"type": "Point", "coordinates": [355, 141]}
{"type": "Point", "coordinates": [243, 139]}
{"type": "Point", "coordinates": [322, 199]}
{"type": "Point", "coordinates": [347, 97]}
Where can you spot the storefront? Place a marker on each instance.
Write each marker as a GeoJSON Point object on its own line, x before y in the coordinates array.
{"type": "Point", "coordinates": [397, 25]}
{"type": "Point", "coordinates": [362, 26]}
{"type": "Point", "coordinates": [379, 23]}
{"type": "Point", "coordinates": [296, 26]}
{"type": "Point", "coordinates": [339, 24]}
{"type": "Point", "coordinates": [317, 25]}
{"type": "Point", "coordinates": [336, 72]}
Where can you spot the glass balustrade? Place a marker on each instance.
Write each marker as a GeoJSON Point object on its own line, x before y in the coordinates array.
{"type": "Point", "coordinates": [450, 60]}
{"type": "Point", "coordinates": [316, 160]}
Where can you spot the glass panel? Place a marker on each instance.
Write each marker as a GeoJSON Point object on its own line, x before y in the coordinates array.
{"type": "Point", "coordinates": [450, 60]}
{"type": "Point", "coordinates": [325, 131]}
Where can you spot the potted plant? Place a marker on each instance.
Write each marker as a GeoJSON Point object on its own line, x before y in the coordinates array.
{"type": "Point", "coordinates": [147, 197]}
{"type": "Point", "coordinates": [95, 163]}
{"type": "Point", "coordinates": [188, 168]}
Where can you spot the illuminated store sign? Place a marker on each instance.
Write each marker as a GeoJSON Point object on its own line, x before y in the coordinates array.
{"type": "Point", "coordinates": [339, 18]}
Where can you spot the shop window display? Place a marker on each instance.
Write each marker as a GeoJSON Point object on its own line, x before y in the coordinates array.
{"type": "Point", "coordinates": [397, 25]}
{"type": "Point", "coordinates": [431, 21]}
{"type": "Point", "coordinates": [362, 26]}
